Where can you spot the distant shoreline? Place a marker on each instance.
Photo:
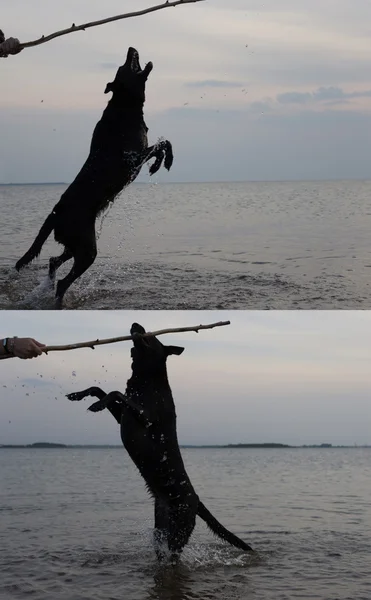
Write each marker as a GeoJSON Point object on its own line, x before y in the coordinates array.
{"type": "Point", "coordinates": [202, 182]}
{"type": "Point", "coordinates": [273, 446]}
{"type": "Point", "coordinates": [40, 183]}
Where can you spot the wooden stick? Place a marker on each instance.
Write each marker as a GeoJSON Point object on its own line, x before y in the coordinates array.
{"type": "Point", "coordinates": [125, 338]}
{"type": "Point", "coordinates": [14, 46]}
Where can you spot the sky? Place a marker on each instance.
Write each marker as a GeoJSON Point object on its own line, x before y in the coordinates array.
{"type": "Point", "coordinates": [244, 89]}
{"type": "Point", "coordinates": [289, 377]}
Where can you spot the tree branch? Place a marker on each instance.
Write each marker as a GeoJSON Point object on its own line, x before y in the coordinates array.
{"type": "Point", "coordinates": [14, 46]}
{"type": "Point", "coordinates": [126, 338]}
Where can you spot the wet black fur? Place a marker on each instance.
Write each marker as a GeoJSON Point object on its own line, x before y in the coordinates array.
{"type": "Point", "coordinates": [119, 148]}
{"type": "Point", "coordinates": [146, 414]}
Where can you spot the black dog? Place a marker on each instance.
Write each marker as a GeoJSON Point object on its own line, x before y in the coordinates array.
{"type": "Point", "coordinates": [118, 150]}
{"type": "Point", "coordinates": [146, 413]}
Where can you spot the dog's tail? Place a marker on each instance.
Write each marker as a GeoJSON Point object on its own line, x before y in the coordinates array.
{"type": "Point", "coordinates": [40, 240]}
{"type": "Point", "coordinates": [221, 531]}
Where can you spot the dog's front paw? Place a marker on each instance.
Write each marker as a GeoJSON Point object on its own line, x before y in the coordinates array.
{"type": "Point", "coordinates": [169, 156]}
{"type": "Point", "coordinates": [75, 396]}
{"type": "Point", "coordinates": [157, 164]}
{"type": "Point", "coordinates": [97, 406]}
{"type": "Point", "coordinates": [168, 161]}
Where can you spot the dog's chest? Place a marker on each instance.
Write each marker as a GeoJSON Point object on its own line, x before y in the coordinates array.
{"type": "Point", "coordinates": [131, 159]}
{"type": "Point", "coordinates": [133, 138]}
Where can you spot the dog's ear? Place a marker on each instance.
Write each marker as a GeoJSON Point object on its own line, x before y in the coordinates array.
{"type": "Point", "coordinates": [109, 87]}
{"type": "Point", "coordinates": [177, 350]}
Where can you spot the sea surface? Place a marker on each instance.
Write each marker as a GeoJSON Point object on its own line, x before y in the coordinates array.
{"type": "Point", "coordinates": [203, 246]}
{"type": "Point", "coordinates": [76, 524]}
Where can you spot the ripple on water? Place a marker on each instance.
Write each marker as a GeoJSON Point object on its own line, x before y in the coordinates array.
{"type": "Point", "coordinates": [89, 537]}
{"type": "Point", "coordinates": [252, 245]}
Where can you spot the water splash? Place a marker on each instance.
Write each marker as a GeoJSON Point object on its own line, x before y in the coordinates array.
{"type": "Point", "coordinates": [206, 555]}
{"type": "Point", "coordinates": [41, 297]}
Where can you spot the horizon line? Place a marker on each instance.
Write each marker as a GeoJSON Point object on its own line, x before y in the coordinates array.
{"type": "Point", "coordinates": [264, 445]}
{"type": "Point", "coordinates": [293, 180]}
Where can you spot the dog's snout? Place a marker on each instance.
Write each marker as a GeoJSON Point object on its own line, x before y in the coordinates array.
{"type": "Point", "coordinates": [136, 328]}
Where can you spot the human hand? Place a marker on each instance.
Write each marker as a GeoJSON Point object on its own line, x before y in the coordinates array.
{"type": "Point", "coordinates": [25, 347]}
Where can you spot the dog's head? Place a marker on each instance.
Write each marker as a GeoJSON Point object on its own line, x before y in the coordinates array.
{"type": "Point", "coordinates": [130, 79]}
{"type": "Point", "coordinates": [148, 354]}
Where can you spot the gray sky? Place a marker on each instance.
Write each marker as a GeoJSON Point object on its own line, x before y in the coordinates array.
{"type": "Point", "coordinates": [244, 89]}
{"type": "Point", "coordinates": [290, 377]}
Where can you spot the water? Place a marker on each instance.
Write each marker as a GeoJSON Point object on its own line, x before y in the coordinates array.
{"type": "Point", "coordinates": [76, 524]}
{"type": "Point", "coordinates": [204, 246]}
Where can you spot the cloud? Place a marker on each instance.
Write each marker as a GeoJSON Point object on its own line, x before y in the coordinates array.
{"type": "Point", "coordinates": [279, 375]}
{"type": "Point", "coordinates": [289, 55]}
{"type": "Point", "coordinates": [322, 94]}
{"type": "Point", "coordinates": [294, 98]}
{"type": "Point", "coordinates": [260, 107]}
{"type": "Point", "coordinates": [267, 141]}
{"type": "Point", "coordinates": [214, 83]}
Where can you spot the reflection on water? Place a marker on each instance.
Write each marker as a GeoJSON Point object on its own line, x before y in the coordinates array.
{"type": "Point", "coordinates": [77, 524]}
{"type": "Point", "coordinates": [231, 245]}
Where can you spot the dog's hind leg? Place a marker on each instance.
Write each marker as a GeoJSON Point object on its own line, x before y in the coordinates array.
{"type": "Point", "coordinates": [182, 520]}
{"type": "Point", "coordinates": [84, 257]}
{"type": "Point", "coordinates": [161, 528]}
{"type": "Point", "coordinates": [56, 261]}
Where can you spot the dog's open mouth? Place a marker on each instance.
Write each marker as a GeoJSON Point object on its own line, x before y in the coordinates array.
{"type": "Point", "coordinates": [132, 59]}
